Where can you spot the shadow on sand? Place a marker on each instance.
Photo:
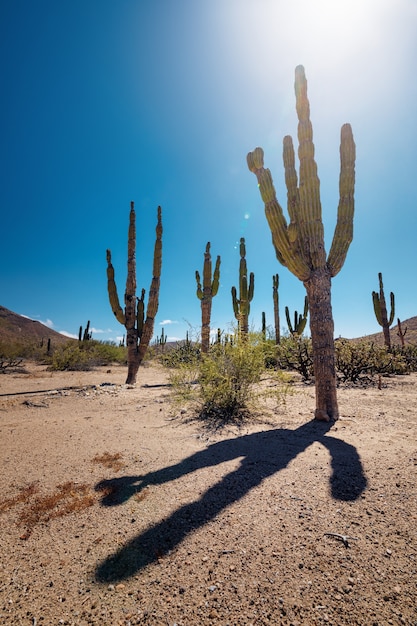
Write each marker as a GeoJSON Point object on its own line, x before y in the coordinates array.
{"type": "Point", "coordinates": [263, 454]}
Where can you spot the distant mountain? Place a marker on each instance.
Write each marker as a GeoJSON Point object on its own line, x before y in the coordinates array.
{"type": "Point", "coordinates": [15, 328]}
{"type": "Point", "coordinates": [410, 335]}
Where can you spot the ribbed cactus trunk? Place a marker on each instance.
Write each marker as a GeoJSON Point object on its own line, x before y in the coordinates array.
{"type": "Point", "coordinates": [299, 245]}
{"type": "Point", "coordinates": [138, 330]}
{"type": "Point", "coordinates": [318, 288]}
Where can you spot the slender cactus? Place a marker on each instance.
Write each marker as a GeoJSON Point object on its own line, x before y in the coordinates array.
{"type": "Point", "coordinates": [206, 294]}
{"type": "Point", "coordinates": [139, 330]}
{"type": "Point", "coordinates": [263, 326]}
{"type": "Point", "coordinates": [241, 305]}
{"type": "Point", "coordinates": [300, 320]}
{"type": "Point", "coordinates": [86, 335]}
{"type": "Point", "coordinates": [299, 245]}
{"type": "Point", "coordinates": [275, 284]}
{"type": "Point", "coordinates": [380, 308]}
{"type": "Point", "coordinates": [401, 332]}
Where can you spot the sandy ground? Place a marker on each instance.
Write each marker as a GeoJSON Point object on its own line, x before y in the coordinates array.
{"type": "Point", "coordinates": [117, 508]}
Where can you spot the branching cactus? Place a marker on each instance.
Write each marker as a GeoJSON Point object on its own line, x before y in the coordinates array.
{"type": "Point", "coordinates": [275, 284]}
{"type": "Point", "coordinates": [299, 245]}
{"type": "Point", "coordinates": [401, 332]}
{"type": "Point", "coordinates": [241, 305]}
{"type": "Point", "coordinates": [206, 293]}
{"type": "Point", "coordinates": [300, 320]}
{"type": "Point", "coordinates": [380, 308]}
{"type": "Point", "coordinates": [139, 330]}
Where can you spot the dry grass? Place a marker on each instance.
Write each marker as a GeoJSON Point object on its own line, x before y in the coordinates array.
{"type": "Point", "coordinates": [68, 498]}
{"type": "Point", "coordinates": [110, 461]}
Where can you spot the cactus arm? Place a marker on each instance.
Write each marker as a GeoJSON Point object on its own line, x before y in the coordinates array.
{"type": "Point", "coordinates": [112, 291]}
{"type": "Point", "coordinates": [235, 303]}
{"type": "Point", "coordinates": [343, 234]}
{"type": "Point", "coordinates": [140, 313]}
{"type": "Point", "coordinates": [391, 318]}
{"type": "Point", "coordinates": [287, 315]}
{"type": "Point", "coordinates": [311, 225]}
{"type": "Point", "coordinates": [153, 299]}
{"type": "Point", "coordinates": [216, 277]}
{"type": "Point", "coordinates": [377, 307]}
{"type": "Point", "coordinates": [284, 249]}
{"type": "Point", "coordinates": [199, 289]}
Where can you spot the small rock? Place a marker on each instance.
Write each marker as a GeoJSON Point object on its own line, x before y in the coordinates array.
{"type": "Point", "coordinates": [212, 588]}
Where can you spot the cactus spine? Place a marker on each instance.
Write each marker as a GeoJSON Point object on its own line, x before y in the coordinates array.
{"type": "Point", "coordinates": [300, 320]}
{"type": "Point", "coordinates": [299, 245]}
{"type": "Point", "coordinates": [241, 305]}
{"type": "Point", "coordinates": [380, 308]}
{"type": "Point", "coordinates": [275, 284]}
{"type": "Point", "coordinates": [206, 294]}
{"type": "Point", "coordinates": [139, 330]}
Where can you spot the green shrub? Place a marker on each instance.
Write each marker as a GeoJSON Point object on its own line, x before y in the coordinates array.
{"type": "Point", "coordinates": [86, 355]}
{"type": "Point", "coordinates": [224, 385]}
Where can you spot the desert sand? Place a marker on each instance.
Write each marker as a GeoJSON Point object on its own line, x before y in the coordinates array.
{"type": "Point", "coordinates": [118, 508]}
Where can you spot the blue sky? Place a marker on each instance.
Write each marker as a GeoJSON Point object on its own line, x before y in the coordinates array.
{"type": "Point", "coordinates": [159, 102]}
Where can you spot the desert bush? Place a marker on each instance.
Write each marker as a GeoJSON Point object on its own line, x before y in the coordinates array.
{"type": "Point", "coordinates": [185, 352]}
{"type": "Point", "coordinates": [295, 353]}
{"type": "Point", "coordinates": [360, 361]}
{"type": "Point", "coordinates": [84, 356]}
{"type": "Point", "coordinates": [223, 385]}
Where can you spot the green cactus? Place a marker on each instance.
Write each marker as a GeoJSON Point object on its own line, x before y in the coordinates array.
{"type": "Point", "coordinates": [300, 320]}
{"type": "Point", "coordinates": [263, 326]}
{"type": "Point", "coordinates": [206, 294]}
{"type": "Point", "coordinates": [139, 330]}
{"type": "Point", "coordinates": [86, 335]}
{"type": "Point", "coordinates": [400, 332]}
{"type": "Point", "coordinates": [275, 284]}
{"type": "Point", "coordinates": [380, 308]}
{"type": "Point", "coordinates": [241, 305]}
{"type": "Point", "coordinates": [299, 245]}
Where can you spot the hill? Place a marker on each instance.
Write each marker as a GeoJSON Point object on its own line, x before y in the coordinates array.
{"type": "Point", "coordinates": [410, 335]}
{"type": "Point", "coordinates": [15, 328]}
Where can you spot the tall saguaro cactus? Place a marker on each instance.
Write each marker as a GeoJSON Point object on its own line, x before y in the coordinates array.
{"type": "Point", "coordinates": [206, 294]}
{"type": "Point", "coordinates": [139, 330]}
{"type": "Point", "coordinates": [275, 284]}
{"type": "Point", "coordinates": [299, 245]}
{"type": "Point", "coordinates": [380, 308]}
{"type": "Point", "coordinates": [241, 305]}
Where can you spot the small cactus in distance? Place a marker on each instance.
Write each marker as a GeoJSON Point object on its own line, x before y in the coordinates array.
{"type": "Point", "coordinates": [206, 293]}
{"type": "Point", "coordinates": [380, 308]}
{"type": "Point", "coordinates": [241, 305]}
{"type": "Point", "coordinates": [86, 335]}
{"type": "Point", "coordinates": [139, 330]}
{"type": "Point", "coordinates": [275, 284]}
{"type": "Point", "coordinates": [300, 320]}
{"type": "Point", "coordinates": [401, 332]}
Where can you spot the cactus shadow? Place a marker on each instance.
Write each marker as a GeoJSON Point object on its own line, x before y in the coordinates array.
{"type": "Point", "coordinates": [262, 455]}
